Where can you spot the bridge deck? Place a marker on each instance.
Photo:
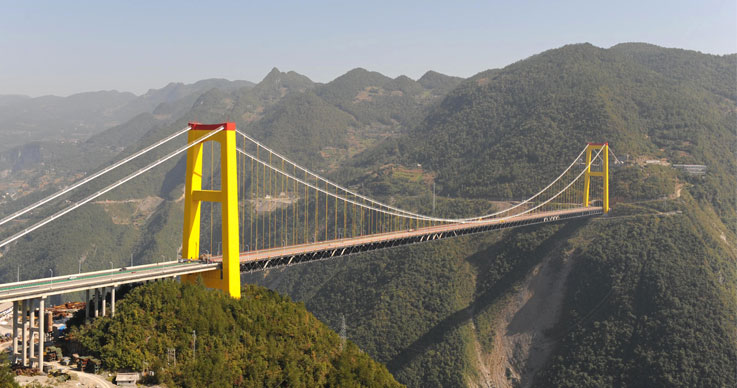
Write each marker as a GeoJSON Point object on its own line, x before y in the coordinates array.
{"type": "Point", "coordinates": [276, 257]}
{"type": "Point", "coordinates": [295, 254]}
{"type": "Point", "coordinates": [89, 280]}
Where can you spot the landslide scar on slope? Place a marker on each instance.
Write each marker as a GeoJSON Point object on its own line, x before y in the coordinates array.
{"type": "Point", "coordinates": [521, 347]}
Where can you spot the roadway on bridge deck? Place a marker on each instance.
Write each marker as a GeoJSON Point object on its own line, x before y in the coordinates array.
{"type": "Point", "coordinates": [294, 250]}
{"type": "Point", "coordinates": [90, 280]}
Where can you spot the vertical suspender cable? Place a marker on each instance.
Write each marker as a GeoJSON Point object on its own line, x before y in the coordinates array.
{"type": "Point", "coordinates": [242, 185]}
{"type": "Point", "coordinates": [362, 223]}
{"type": "Point", "coordinates": [256, 200]}
{"type": "Point", "coordinates": [317, 209]}
{"type": "Point", "coordinates": [264, 233]}
{"type": "Point", "coordinates": [353, 220]}
{"type": "Point", "coordinates": [307, 210]}
{"type": "Point", "coordinates": [212, 187]}
{"type": "Point", "coordinates": [294, 208]}
{"type": "Point", "coordinates": [271, 200]}
{"type": "Point", "coordinates": [283, 210]}
{"type": "Point", "coordinates": [327, 198]}
{"type": "Point", "coordinates": [265, 207]}
{"type": "Point", "coordinates": [251, 207]}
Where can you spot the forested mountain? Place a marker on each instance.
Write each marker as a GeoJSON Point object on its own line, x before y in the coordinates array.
{"type": "Point", "coordinates": [694, 69]}
{"type": "Point", "coordinates": [439, 82]}
{"type": "Point", "coordinates": [178, 97]}
{"type": "Point", "coordinates": [309, 118]}
{"type": "Point", "coordinates": [642, 297]}
{"type": "Point", "coordinates": [261, 340]}
{"type": "Point", "coordinates": [568, 97]}
{"type": "Point", "coordinates": [374, 98]}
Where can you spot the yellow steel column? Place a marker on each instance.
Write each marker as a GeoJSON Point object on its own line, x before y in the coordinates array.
{"type": "Point", "coordinates": [193, 182]}
{"type": "Point", "coordinates": [605, 155]}
{"type": "Point", "coordinates": [228, 278]}
{"type": "Point", "coordinates": [335, 227]}
{"type": "Point", "coordinates": [587, 177]}
{"type": "Point", "coordinates": [604, 174]}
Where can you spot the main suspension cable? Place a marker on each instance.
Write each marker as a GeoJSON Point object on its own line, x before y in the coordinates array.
{"type": "Point", "coordinates": [405, 213]}
{"type": "Point", "coordinates": [354, 202]}
{"type": "Point", "coordinates": [534, 196]}
{"type": "Point", "coordinates": [105, 190]}
{"type": "Point", "coordinates": [91, 177]}
{"type": "Point", "coordinates": [347, 191]}
{"type": "Point", "coordinates": [395, 211]}
{"type": "Point", "coordinates": [559, 192]}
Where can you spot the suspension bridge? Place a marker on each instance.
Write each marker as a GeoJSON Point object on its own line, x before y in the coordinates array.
{"type": "Point", "coordinates": [273, 213]}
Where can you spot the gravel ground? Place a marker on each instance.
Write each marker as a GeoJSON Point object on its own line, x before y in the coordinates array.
{"type": "Point", "coordinates": [79, 379]}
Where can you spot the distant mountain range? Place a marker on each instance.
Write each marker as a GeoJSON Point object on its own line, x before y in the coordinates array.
{"type": "Point", "coordinates": [79, 116]}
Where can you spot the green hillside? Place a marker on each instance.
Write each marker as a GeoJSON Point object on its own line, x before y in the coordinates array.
{"type": "Point", "coordinates": [310, 119]}
{"type": "Point", "coordinates": [261, 340]}
{"type": "Point", "coordinates": [646, 296]}
{"type": "Point", "coordinates": [439, 82]}
{"type": "Point", "coordinates": [650, 303]}
{"type": "Point", "coordinates": [490, 129]}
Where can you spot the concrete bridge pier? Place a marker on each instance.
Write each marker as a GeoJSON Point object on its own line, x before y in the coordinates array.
{"type": "Point", "coordinates": [24, 332]}
{"type": "Point", "coordinates": [31, 326]}
{"type": "Point", "coordinates": [86, 305]}
{"type": "Point", "coordinates": [112, 301]}
{"type": "Point", "coordinates": [97, 302]}
{"type": "Point", "coordinates": [41, 333]}
{"type": "Point", "coordinates": [104, 300]}
{"type": "Point", "coordinates": [16, 308]}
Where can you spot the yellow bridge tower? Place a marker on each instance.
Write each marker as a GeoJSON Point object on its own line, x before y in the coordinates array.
{"type": "Point", "coordinates": [604, 174]}
{"type": "Point", "coordinates": [228, 277]}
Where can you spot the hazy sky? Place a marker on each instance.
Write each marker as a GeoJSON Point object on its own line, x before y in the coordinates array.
{"type": "Point", "coordinates": [65, 47]}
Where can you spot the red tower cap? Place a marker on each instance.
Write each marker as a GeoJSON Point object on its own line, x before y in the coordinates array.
{"type": "Point", "coordinates": [211, 127]}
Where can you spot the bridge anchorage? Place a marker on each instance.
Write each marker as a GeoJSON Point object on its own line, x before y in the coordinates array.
{"type": "Point", "coordinates": [275, 213]}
